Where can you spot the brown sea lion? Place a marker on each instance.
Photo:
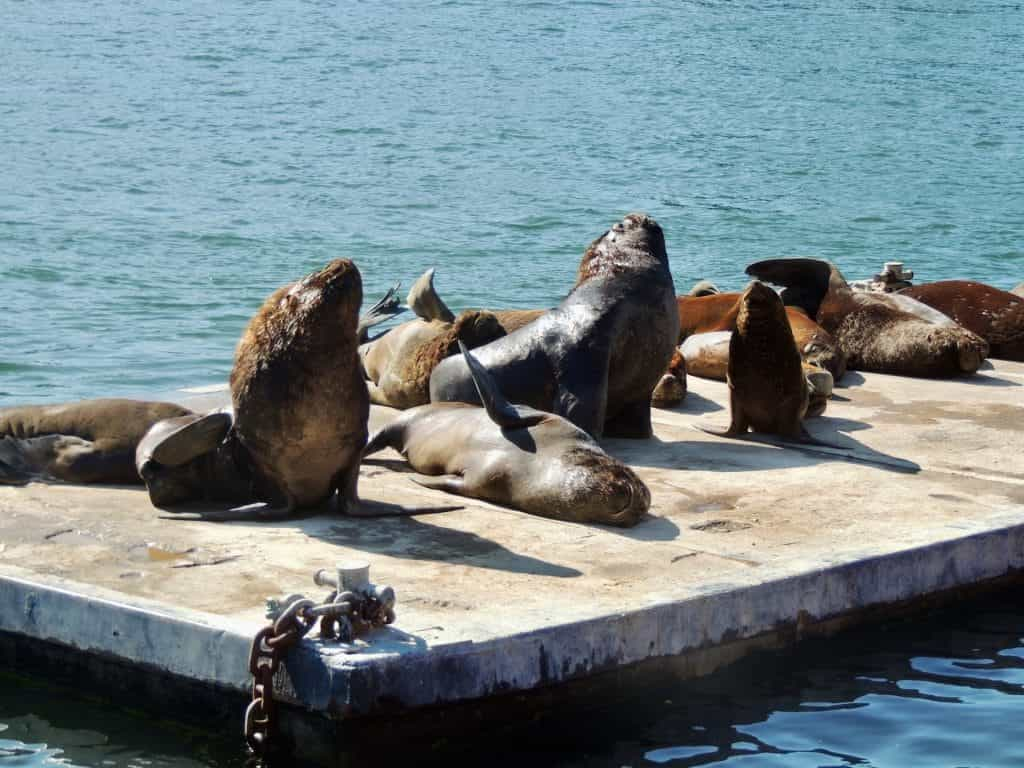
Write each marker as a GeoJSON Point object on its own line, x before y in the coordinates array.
{"type": "Point", "coordinates": [768, 391]}
{"type": "Point", "coordinates": [884, 332]}
{"type": "Point", "coordinates": [398, 365]}
{"type": "Point", "coordinates": [515, 456]}
{"type": "Point", "coordinates": [714, 312]}
{"type": "Point", "coordinates": [91, 441]}
{"type": "Point", "coordinates": [597, 357]}
{"type": "Point", "coordinates": [671, 390]}
{"type": "Point", "coordinates": [997, 316]}
{"type": "Point", "coordinates": [514, 319]}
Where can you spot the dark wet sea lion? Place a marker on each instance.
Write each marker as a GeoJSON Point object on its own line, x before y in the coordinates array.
{"type": "Point", "coordinates": [517, 457]}
{"type": "Point", "coordinates": [398, 365]}
{"type": "Point", "coordinates": [884, 332]}
{"type": "Point", "coordinates": [768, 391]}
{"type": "Point", "coordinates": [597, 357]}
{"type": "Point", "coordinates": [91, 441]}
{"type": "Point", "coordinates": [997, 316]}
{"type": "Point", "coordinates": [300, 401]}
{"type": "Point", "coordinates": [714, 312]}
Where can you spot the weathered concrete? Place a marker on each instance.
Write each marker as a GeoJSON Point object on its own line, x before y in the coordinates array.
{"type": "Point", "coordinates": [744, 539]}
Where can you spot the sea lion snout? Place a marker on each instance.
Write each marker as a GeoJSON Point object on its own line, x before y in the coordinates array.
{"type": "Point", "coordinates": [970, 354]}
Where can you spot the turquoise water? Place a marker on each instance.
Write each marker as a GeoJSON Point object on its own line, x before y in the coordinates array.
{"type": "Point", "coordinates": [166, 165]}
{"type": "Point", "coordinates": [941, 690]}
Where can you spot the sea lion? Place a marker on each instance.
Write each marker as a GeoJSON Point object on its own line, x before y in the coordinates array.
{"type": "Point", "coordinates": [716, 312]}
{"type": "Point", "coordinates": [300, 402]}
{"type": "Point", "coordinates": [671, 390]}
{"type": "Point", "coordinates": [768, 391]}
{"type": "Point", "coordinates": [91, 441]}
{"type": "Point", "coordinates": [597, 357]}
{"type": "Point", "coordinates": [515, 456]}
{"type": "Point", "coordinates": [398, 365]}
{"type": "Point", "coordinates": [884, 332]}
{"type": "Point", "coordinates": [997, 316]}
{"type": "Point", "coordinates": [703, 288]}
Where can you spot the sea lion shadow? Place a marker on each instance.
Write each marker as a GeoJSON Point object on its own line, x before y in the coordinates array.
{"type": "Point", "coordinates": [988, 380]}
{"type": "Point", "coordinates": [850, 379]}
{"type": "Point", "coordinates": [694, 403]}
{"type": "Point", "coordinates": [415, 539]}
{"type": "Point", "coordinates": [650, 528]}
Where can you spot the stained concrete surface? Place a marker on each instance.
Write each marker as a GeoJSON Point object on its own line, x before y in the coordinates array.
{"type": "Point", "coordinates": [742, 538]}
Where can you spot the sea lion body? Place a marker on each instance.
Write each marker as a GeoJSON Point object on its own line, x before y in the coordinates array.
{"type": "Point", "coordinates": [884, 332]}
{"type": "Point", "coordinates": [299, 398]}
{"type": "Point", "coordinates": [996, 316]}
{"type": "Point", "coordinates": [516, 456]}
{"type": "Point", "coordinates": [398, 364]}
{"type": "Point", "coordinates": [716, 312]}
{"type": "Point", "coordinates": [768, 390]}
{"type": "Point", "coordinates": [597, 357]}
{"type": "Point", "coordinates": [91, 441]}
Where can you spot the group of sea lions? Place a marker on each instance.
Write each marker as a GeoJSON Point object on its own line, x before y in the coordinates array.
{"type": "Point", "coordinates": [515, 421]}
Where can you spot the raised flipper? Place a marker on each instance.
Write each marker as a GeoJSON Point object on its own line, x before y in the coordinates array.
{"type": "Point", "coordinates": [703, 288]}
{"type": "Point", "coordinates": [806, 281]}
{"type": "Point", "coordinates": [384, 309]}
{"type": "Point", "coordinates": [424, 301]}
{"type": "Point", "coordinates": [500, 410]}
{"type": "Point", "coordinates": [174, 442]}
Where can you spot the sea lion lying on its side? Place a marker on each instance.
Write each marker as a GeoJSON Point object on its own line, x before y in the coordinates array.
{"type": "Point", "coordinates": [597, 357]}
{"type": "Point", "coordinates": [997, 316]}
{"type": "Point", "coordinates": [515, 456]}
{"type": "Point", "coordinates": [90, 441]}
{"type": "Point", "coordinates": [884, 332]}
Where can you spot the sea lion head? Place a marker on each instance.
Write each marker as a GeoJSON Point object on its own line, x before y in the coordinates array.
{"type": "Point", "coordinates": [636, 241]}
{"type": "Point", "coordinates": [336, 291]}
{"type": "Point", "coordinates": [603, 489]}
{"type": "Point", "coordinates": [759, 304]}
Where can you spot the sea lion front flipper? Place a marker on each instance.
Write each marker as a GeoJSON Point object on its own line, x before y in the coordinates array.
{"type": "Point", "coordinates": [424, 301]}
{"type": "Point", "coordinates": [500, 410]}
{"type": "Point", "coordinates": [385, 309]}
{"type": "Point", "coordinates": [196, 436]}
{"type": "Point", "coordinates": [806, 281]}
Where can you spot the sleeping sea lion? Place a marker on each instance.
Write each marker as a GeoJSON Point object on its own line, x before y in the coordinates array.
{"type": "Point", "coordinates": [515, 456]}
{"type": "Point", "coordinates": [884, 332]}
{"type": "Point", "coordinates": [716, 312]}
{"type": "Point", "coordinates": [597, 357]}
{"type": "Point", "coordinates": [997, 316]}
{"type": "Point", "coordinates": [91, 441]}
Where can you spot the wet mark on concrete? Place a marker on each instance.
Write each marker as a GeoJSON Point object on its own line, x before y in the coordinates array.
{"type": "Point", "coordinates": [720, 526]}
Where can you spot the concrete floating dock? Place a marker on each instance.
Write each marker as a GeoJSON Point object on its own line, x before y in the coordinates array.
{"type": "Point", "coordinates": [744, 539]}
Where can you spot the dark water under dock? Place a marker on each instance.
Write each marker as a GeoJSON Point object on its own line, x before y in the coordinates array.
{"type": "Point", "coordinates": [943, 689]}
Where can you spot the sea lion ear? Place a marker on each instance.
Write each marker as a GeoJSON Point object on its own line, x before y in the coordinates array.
{"type": "Point", "coordinates": [195, 436]}
{"type": "Point", "coordinates": [424, 301]}
{"type": "Point", "coordinates": [806, 280]}
{"type": "Point", "coordinates": [501, 411]}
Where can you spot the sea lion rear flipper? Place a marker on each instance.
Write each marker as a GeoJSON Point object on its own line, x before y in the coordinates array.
{"type": "Point", "coordinates": [424, 301]}
{"type": "Point", "coordinates": [386, 308]}
{"type": "Point", "coordinates": [501, 411]}
{"type": "Point", "coordinates": [453, 484]}
{"type": "Point", "coordinates": [198, 435]}
{"type": "Point", "coordinates": [806, 281]}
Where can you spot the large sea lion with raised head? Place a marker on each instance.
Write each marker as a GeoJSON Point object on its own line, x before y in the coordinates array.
{"type": "Point", "coordinates": [997, 316]}
{"type": "Point", "coordinates": [884, 332]}
{"type": "Point", "coordinates": [300, 409]}
{"type": "Point", "coordinates": [90, 441]}
{"type": "Point", "coordinates": [597, 357]}
{"type": "Point", "coordinates": [515, 456]}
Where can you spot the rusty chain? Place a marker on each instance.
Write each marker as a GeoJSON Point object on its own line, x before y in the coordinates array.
{"type": "Point", "coordinates": [343, 616]}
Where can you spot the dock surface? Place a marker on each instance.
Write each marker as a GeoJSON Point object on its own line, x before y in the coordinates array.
{"type": "Point", "coordinates": [743, 538]}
